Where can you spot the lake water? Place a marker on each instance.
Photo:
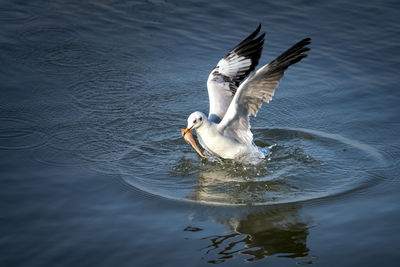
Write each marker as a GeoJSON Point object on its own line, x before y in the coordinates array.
{"type": "Point", "coordinates": [94, 171]}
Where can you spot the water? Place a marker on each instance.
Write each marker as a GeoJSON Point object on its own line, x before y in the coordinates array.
{"type": "Point", "coordinates": [94, 171]}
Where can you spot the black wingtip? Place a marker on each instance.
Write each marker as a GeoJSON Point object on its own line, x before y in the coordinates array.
{"type": "Point", "coordinates": [298, 48]}
{"type": "Point", "coordinates": [257, 30]}
{"type": "Point", "coordinates": [259, 27]}
{"type": "Point", "coordinates": [250, 37]}
{"type": "Point", "coordinates": [293, 55]}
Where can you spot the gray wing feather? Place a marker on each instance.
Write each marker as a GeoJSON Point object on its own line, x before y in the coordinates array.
{"type": "Point", "coordinates": [258, 88]}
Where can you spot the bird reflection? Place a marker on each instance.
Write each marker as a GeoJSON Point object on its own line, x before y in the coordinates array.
{"type": "Point", "coordinates": [260, 235]}
{"type": "Point", "coordinates": [254, 233]}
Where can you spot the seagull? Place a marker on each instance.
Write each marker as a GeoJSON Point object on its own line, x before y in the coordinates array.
{"type": "Point", "coordinates": [225, 132]}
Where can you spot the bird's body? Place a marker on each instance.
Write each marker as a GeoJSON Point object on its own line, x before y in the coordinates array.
{"type": "Point", "coordinates": [211, 139]}
{"type": "Point", "coordinates": [226, 131]}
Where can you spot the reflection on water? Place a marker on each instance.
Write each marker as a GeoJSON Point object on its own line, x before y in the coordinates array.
{"type": "Point", "coordinates": [260, 233]}
{"type": "Point", "coordinates": [255, 232]}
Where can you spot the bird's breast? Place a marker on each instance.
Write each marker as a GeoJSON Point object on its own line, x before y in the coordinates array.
{"type": "Point", "coordinates": [214, 141]}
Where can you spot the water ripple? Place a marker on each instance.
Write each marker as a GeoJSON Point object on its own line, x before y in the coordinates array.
{"type": "Point", "coordinates": [73, 56]}
{"type": "Point", "coordinates": [109, 94]}
{"type": "Point", "coordinates": [49, 37]}
{"type": "Point", "coordinates": [15, 14]}
{"type": "Point", "coordinates": [79, 144]}
{"type": "Point", "coordinates": [20, 133]}
{"type": "Point", "coordinates": [58, 49]}
{"type": "Point", "coordinates": [303, 164]}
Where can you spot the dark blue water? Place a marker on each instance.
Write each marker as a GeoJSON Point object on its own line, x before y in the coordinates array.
{"type": "Point", "coordinates": [94, 171]}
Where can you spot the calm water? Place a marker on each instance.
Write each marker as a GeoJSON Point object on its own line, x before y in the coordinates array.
{"type": "Point", "coordinates": [94, 171]}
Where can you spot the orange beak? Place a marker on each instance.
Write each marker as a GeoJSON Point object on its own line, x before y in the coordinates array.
{"type": "Point", "coordinates": [187, 135]}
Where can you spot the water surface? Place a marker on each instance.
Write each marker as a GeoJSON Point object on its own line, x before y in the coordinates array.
{"type": "Point", "coordinates": [94, 171]}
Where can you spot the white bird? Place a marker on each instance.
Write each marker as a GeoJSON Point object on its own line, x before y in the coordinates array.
{"type": "Point", "coordinates": [226, 130]}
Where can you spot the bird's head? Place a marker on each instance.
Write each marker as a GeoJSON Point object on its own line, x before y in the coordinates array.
{"type": "Point", "coordinates": [195, 120]}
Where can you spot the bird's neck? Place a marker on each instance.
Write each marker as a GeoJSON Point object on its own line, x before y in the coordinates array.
{"type": "Point", "coordinates": [205, 127]}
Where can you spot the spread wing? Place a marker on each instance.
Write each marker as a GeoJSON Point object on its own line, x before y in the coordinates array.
{"type": "Point", "coordinates": [257, 89]}
{"type": "Point", "coordinates": [230, 71]}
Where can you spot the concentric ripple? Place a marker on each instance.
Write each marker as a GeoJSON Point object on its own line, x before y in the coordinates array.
{"type": "Point", "coordinates": [303, 165]}
{"type": "Point", "coordinates": [74, 55]}
{"type": "Point", "coordinates": [48, 37]}
{"type": "Point", "coordinates": [18, 133]}
{"type": "Point", "coordinates": [58, 49]}
{"type": "Point", "coordinates": [15, 15]}
{"type": "Point", "coordinates": [79, 144]}
{"type": "Point", "coordinates": [111, 94]}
